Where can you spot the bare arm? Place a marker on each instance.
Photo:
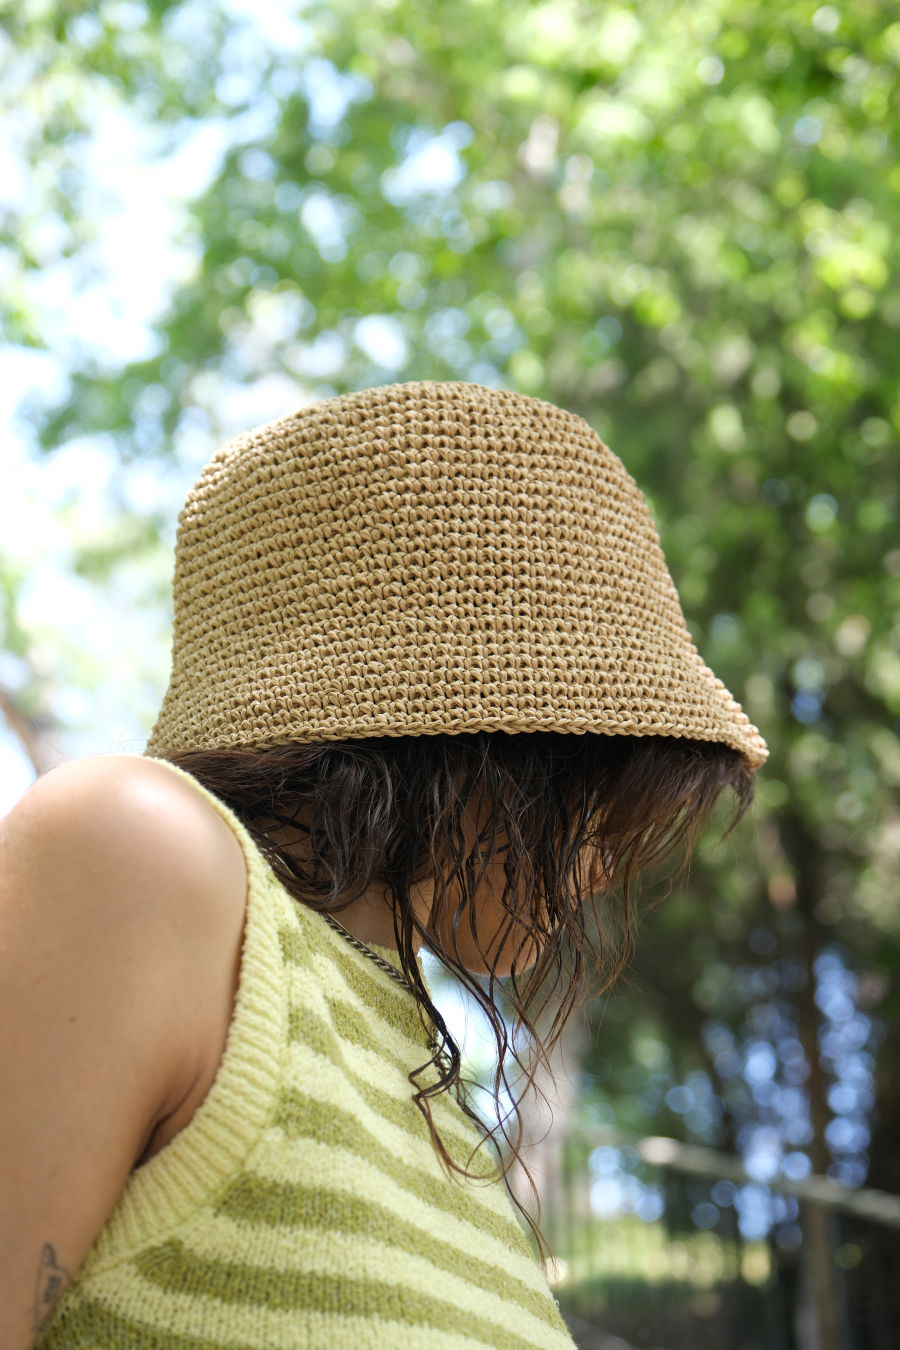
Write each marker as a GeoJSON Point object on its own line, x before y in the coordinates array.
{"type": "Point", "coordinates": [122, 900]}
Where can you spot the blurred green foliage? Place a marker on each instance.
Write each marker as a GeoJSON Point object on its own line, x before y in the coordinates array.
{"type": "Point", "coordinates": [676, 219]}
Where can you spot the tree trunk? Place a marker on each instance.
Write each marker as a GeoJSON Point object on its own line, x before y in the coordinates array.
{"type": "Point", "coordinates": [818, 1313]}
{"type": "Point", "coordinates": [804, 853]}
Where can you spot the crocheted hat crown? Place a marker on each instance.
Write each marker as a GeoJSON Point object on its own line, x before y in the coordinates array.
{"type": "Point", "coordinates": [424, 558]}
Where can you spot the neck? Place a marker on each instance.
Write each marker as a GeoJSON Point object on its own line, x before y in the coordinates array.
{"type": "Point", "coordinates": [371, 919]}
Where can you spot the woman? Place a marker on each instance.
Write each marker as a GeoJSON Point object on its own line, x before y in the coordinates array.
{"type": "Point", "coordinates": [431, 685]}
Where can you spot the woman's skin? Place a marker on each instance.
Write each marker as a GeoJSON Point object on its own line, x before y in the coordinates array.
{"type": "Point", "coordinates": [122, 903]}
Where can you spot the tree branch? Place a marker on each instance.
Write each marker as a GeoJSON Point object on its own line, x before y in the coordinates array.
{"type": "Point", "coordinates": [26, 732]}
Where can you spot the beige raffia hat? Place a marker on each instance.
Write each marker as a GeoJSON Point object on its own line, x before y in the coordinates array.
{"type": "Point", "coordinates": [428, 558]}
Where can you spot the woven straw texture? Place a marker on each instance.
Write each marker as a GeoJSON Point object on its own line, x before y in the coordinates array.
{"type": "Point", "coordinates": [424, 558]}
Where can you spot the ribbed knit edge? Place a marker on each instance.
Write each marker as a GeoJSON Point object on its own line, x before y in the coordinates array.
{"type": "Point", "coordinates": [205, 1154]}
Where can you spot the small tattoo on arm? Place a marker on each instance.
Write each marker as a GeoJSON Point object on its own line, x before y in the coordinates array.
{"type": "Point", "coordinates": [52, 1279]}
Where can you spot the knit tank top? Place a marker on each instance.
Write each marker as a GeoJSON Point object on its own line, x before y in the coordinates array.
{"type": "Point", "coordinates": [303, 1207]}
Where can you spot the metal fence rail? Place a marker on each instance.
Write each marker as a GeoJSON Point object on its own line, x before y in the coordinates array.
{"type": "Point", "coordinates": [675, 1268]}
{"type": "Point", "coordinates": [876, 1206]}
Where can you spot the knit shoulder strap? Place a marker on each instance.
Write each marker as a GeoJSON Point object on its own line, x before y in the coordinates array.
{"type": "Point", "coordinates": [200, 1159]}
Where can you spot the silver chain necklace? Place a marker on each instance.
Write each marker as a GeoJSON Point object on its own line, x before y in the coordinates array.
{"type": "Point", "coordinates": [356, 943]}
{"type": "Point", "coordinates": [396, 975]}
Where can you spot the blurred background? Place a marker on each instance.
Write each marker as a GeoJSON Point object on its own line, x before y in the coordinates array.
{"type": "Point", "coordinates": [678, 220]}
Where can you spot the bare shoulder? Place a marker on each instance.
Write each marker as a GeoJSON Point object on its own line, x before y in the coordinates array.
{"type": "Point", "coordinates": [122, 898]}
{"type": "Point", "coordinates": [125, 830]}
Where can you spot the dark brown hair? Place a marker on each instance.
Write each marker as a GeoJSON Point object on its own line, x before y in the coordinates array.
{"type": "Point", "coordinates": [575, 819]}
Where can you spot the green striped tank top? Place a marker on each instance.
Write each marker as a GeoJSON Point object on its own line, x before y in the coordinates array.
{"type": "Point", "coordinates": [303, 1207]}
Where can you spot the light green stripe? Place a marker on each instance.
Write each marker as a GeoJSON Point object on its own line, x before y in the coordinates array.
{"type": "Point", "coordinates": [302, 1117]}
{"type": "Point", "coordinates": [175, 1269]}
{"type": "Point", "coordinates": [278, 1204]}
{"type": "Point", "coordinates": [392, 1004]}
{"type": "Point", "coordinates": [351, 1024]}
{"type": "Point", "coordinates": [88, 1325]}
{"type": "Point", "coordinates": [307, 1028]}
{"type": "Point", "coordinates": [399, 1010]}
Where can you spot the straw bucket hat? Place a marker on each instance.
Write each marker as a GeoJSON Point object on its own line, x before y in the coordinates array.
{"type": "Point", "coordinates": [425, 558]}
